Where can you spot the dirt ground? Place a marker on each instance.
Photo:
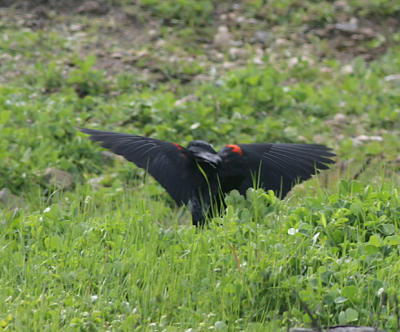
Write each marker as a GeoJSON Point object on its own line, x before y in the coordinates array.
{"type": "Point", "coordinates": [129, 38]}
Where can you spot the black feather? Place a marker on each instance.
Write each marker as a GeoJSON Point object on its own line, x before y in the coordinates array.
{"type": "Point", "coordinates": [278, 167]}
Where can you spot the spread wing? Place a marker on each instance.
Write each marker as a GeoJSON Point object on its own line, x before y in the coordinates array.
{"type": "Point", "coordinates": [165, 161]}
{"type": "Point", "coordinates": [276, 167]}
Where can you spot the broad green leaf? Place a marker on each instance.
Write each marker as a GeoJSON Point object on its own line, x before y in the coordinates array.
{"type": "Point", "coordinates": [376, 241]}
{"type": "Point", "coordinates": [350, 292]}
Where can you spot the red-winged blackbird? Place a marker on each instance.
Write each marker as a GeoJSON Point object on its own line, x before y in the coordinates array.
{"type": "Point", "coordinates": [198, 176]}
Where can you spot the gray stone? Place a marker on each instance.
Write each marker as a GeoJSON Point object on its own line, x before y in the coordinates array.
{"type": "Point", "coordinates": [338, 120]}
{"type": "Point", "coordinates": [92, 7]}
{"type": "Point", "coordinates": [364, 138]}
{"type": "Point", "coordinates": [184, 100]}
{"type": "Point", "coordinates": [109, 156]}
{"type": "Point", "coordinates": [223, 38]}
{"type": "Point", "coordinates": [393, 78]}
{"type": "Point", "coordinates": [59, 178]}
{"type": "Point", "coordinates": [96, 182]}
{"type": "Point", "coordinates": [7, 198]}
{"type": "Point", "coordinates": [238, 53]}
{"type": "Point", "coordinates": [263, 37]}
{"type": "Point", "coordinates": [351, 26]}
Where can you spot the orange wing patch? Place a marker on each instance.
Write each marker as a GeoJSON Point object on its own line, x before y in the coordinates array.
{"type": "Point", "coordinates": [235, 148]}
{"type": "Point", "coordinates": [180, 148]}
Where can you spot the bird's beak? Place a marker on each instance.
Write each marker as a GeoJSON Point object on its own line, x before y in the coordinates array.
{"type": "Point", "coordinates": [206, 157]}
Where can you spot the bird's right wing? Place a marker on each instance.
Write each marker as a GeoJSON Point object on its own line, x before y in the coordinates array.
{"type": "Point", "coordinates": [281, 166]}
{"type": "Point", "coordinates": [276, 167]}
{"type": "Point", "coordinates": [165, 161]}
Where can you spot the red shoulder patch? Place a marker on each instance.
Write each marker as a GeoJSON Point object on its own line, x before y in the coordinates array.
{"type": "Point", "coordinates": [235, 148]}
{"type": "Point", "coordinates": [180, 148]}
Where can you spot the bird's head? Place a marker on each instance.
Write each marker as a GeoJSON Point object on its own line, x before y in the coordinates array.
{"type": "Point", "coordinates": [204, 153]}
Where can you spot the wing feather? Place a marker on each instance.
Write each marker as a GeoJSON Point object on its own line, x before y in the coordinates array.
{"type": "Point", "coordinates": [163, 160]}
{"type": "Point", "coordinates": [277, 166]}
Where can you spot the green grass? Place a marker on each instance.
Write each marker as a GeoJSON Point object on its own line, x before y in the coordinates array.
{"type": "Point", "coordinates": [291, 12]}
{"type": "Point", "coordinates": [115, 259]}
{"type": "Point", "coordinates": [120, 255]}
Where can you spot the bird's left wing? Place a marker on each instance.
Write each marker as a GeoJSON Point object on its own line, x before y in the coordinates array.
{"type": "Point", "coordinates": [167, 162]}
{"type": "Point", "coordinates": [273, 166]}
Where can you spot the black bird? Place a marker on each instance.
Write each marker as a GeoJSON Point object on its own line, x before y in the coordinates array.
{"type": "Point", "coordinates": [198, 176]}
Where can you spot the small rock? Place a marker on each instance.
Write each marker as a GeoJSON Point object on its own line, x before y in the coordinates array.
{"type": "Point", "coordinates": [319, 139]}
{"type": "Point", "coordinates": [293, 61]}
{"type": "Point", "coordinates": [237, 43]}
{"type": "Point", "coordinates": [263, 37]}
{"type": "Point", "coordinates": [57, 177]}
{"type": "Point", "coordinates": [236, 6]}
{"type": "Point", "coordinates": [184, 100]}
{"type": "Point", "coordinates": [217, 56]}
{"type": "Point", "coordinates": [222, 38]}
{"type": "Point", "coordinates": [100, 53]}
{"type": "Point", "coordinates": [240, 19]}
{"type": "Point", "coordinates": [8, 198]}
{"type": "Point", "coordinates": [137, 55]}
{"type": "Point", "coordinates": [92, 7]}
{"type": "Point", "coordinates": [76, 27]}
{"type": "Point", "coordinates": [258, 58]}
{"type": "Point", "coordinates": [351, 26]}
{"type": "Point", "coordinates": [338, 120]}
{"type": "Point", "coordinates": [393, 77]}
{"type": "Point", "coordinates": [160, 43]}
{"type": "Point", "coordinates": [367, 32]}
{"type": "Point", "coordinates": [232, 16]}
{"type": "Point", "coordinates": [259, 52]}
{"type": "Point", "coordinates": [347, 69]}
{"type": "Point", "coordinates": [237, 53]}
{"type": "Point", "coordinates": [153, 33]}
{"type": "Point", "coordinates": [258, 61]}
{"type": "Point", "coordinates": [281, 42]}
{"type": "Point", "coordinates": [201, 78]}
{"type": "Point", "coordinates": [364, 138]}
{"type": "Point", "coordinates": [228, 64]}
{"type": "Point", "coordinates": [116, 55]}
{"type": "Point", "coordinates": [341, 4]}
{"type": "Point", "coordinates": [96, 182]}
{"type": "Point", "coordinates": [109, 156]}
{"type": "Point", "coordinates": [220, 325]}
{"type": "Point", "coordinates": [325, 69]}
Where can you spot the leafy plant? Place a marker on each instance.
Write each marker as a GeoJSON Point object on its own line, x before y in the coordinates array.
{"type": "Point", "coordinates": [85, 80]}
